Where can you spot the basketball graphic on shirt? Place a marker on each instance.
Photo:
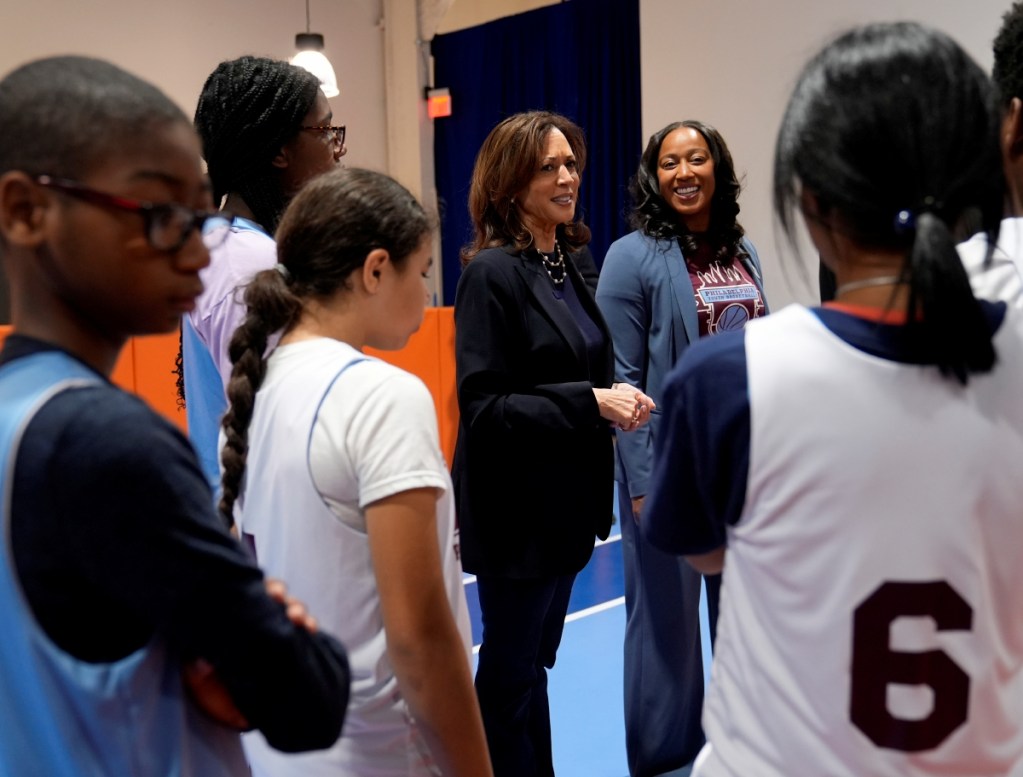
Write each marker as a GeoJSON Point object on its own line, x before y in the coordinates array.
{"type": "Point", "coordinates": [726, 296]}
{"type": "Point", "coordinates": [733, 318]}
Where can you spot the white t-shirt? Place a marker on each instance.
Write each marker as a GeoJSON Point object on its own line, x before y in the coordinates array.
{"type": "Point", "coordinates": [333, 431]}
{"type": "Point", "coordinates": [1002, 279]}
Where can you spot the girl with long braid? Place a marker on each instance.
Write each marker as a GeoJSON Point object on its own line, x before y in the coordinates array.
{"type": "Point", "coordinates": [265, 127]}
{"type": "Point", "coordinates": [333, 470]}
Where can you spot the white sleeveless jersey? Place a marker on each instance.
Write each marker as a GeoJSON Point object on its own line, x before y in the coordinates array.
{"type": "Point", "coordinates": [872, 610]}
{"type": "Point", "coordinates": [333, 431]}
{"type": "Point", "coordinates": [1001, 278]}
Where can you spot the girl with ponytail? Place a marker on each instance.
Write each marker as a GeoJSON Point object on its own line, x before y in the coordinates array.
{"type": "Point", "coordinates": [333, 472]}
{"type": "Point", "coordinates": [857, 469]}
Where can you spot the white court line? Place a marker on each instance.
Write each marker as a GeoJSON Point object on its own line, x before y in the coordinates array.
{"type": "Point", "coordinates": [594, 609]}
{"type": "Point", "coordinates": [470, 579]}
{"type": "Point", "coordinates": [581, 614]}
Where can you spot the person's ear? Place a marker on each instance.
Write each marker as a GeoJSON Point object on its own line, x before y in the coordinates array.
{"type": "Point", "coordinates": [23, 208]}
{"type": "Point", "coordinates": [811, 206]}
{"type": "Point", "coordinates": [816, 215]}
{"type": "Point", "coordinates": [373, 269]}
{"type": "Point", "coordinates": [1012, 131]}
{"type": "Point", "coordinates": [282, 158]}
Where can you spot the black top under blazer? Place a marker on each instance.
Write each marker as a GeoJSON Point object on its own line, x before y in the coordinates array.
{"type": "Point", "coordinates": [533, 467]}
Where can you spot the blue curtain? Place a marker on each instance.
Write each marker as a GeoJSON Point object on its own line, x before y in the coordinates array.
{"type": "Point", "coordinates": [578, 58]}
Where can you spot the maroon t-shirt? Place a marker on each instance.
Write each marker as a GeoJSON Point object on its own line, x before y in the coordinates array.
{"type": "Point", "coordinates": [726, 296]}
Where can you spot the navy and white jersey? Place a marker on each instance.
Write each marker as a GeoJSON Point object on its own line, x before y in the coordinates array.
{"type": "Point", "coordinates": [871, 622]}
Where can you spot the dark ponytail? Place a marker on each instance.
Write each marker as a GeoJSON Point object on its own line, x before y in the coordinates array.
{"type": "Point", "coordinates": [946, 325]}
{"type": "Point", "coordinates": [893, 130]}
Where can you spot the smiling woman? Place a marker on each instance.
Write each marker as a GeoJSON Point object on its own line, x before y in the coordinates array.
{"type": "Point", "coordinates": [686, 272]}
{"type": "Point", "coordinates": [534, 371]}
{"type": "Point", "coordinates": [550, 197]}
{"type": "Point", "coordinates": [685, 177]}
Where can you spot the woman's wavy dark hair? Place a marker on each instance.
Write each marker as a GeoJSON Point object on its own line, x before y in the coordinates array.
{"type": "Point", "coordinates": [656, 218]}
{"type": "Point", "coordinates": [506, 163]}
{"type": "Point", "coordinates": [897, 117]}
{"type": "Point", "coordinates": [326, 233]}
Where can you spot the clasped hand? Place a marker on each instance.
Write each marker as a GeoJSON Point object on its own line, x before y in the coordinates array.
{"type": "Point", "coordinates": [626, 407]}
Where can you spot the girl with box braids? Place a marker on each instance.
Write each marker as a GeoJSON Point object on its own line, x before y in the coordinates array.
{"type": "Point", "coordinates": [265, 127]}
{"type": "Point", "coordinates": [249, 108]}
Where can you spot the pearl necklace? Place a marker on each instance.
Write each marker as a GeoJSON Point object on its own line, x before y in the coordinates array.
{"type": "Point", "coordinates": [555, 264]}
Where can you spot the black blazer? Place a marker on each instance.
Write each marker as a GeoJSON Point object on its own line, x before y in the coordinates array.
{"type": "Point", "coordinates": [533, 466]}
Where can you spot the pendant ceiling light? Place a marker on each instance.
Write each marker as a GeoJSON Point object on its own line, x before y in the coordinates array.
{"type": "Point", "coordinates": [311, 57]}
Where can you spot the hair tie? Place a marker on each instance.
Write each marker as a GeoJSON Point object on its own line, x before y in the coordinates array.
{"type": "Point", "coordinates": [283, 271]}
{"type": "Point", "coordinates": [905, 222]}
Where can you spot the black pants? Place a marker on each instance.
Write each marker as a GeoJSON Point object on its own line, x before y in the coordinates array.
{"type": "Point", "coordinates": [522, 625]}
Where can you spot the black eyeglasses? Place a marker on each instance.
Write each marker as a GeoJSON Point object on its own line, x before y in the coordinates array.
{"type": "Point", "coordinates": [337, 134]}
{"type": "Point", "coordinates": [168, 225]}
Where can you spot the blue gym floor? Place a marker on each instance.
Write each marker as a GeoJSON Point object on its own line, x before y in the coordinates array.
{"type": "Point", "coordinates": [585, 685]}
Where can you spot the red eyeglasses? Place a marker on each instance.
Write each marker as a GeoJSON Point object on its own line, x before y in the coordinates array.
{"type": "Point", "coordinates": [168, 225]}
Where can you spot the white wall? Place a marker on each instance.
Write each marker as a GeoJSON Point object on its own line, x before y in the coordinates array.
{"type": "Point", "coordinates": [732, 63]}
{"type": "Point", "coordinates": [177, 43]}
{"type": "Point", "coordinates": [470, 13]}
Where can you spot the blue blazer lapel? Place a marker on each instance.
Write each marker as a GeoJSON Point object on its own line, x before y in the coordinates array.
{"type": "Point", "coordinates": [685, 318]}
{"type": "Point", "coordinates": [752, 264]}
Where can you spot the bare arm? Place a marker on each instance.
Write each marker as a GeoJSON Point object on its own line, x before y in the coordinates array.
{"type": "Point", "coordinates": [423, 642]}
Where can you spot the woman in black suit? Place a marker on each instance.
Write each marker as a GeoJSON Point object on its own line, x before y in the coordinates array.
{"type": "Point", "coordinates": [533, 466]}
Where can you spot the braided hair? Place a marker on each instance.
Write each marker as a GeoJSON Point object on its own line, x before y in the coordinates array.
{"type": "Point", "coordinates": [1008, 49]}
{"type": "Point", "coordinates": [325, 236]}
{"type": "Point", "coordinates": [249, 108]}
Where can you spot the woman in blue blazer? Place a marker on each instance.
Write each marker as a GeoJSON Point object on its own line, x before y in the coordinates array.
{"type": "Point", "coordinates": [686, 272]}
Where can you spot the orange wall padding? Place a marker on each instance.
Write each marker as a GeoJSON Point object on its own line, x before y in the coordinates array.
{"type": "Point", "coordinates": [146, 366]}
